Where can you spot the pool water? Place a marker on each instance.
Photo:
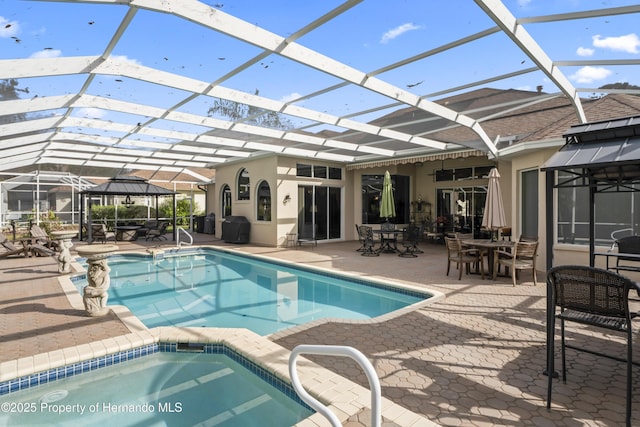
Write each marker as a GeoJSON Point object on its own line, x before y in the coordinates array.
{"type": "Point", "coordinates": [162, 389]}
{"type": "Point", "coordinates": [218, 289]}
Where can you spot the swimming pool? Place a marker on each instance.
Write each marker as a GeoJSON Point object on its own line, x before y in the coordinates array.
{"type": "Point", "coordinates": [159, 389]}
{"type": "Point", "coordinates": [210, 287]}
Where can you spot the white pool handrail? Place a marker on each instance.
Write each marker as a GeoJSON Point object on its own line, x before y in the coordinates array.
{"type": "Point", "coordinates": [180, 229]}
{"type": "Point", "coordinates": [336, 350]}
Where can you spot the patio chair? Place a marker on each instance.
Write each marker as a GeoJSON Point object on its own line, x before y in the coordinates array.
{"type": "Point", "coordinates": [410, 237]}
{"type": "Point", "coordinates": [42, 238]}
{"type": "Point", "coordinates": [360, 239]}
{"type": "Point", "coordinates": [462, 257]}
{"type": "Point", "coordinates": [522, 257]}
{"type": "Point", "coordinates": [99, 232]}
{"type": "Point", "coordinates": [158, 233]}
{"type": "Point", "coordinates": [627, 245]}
{"type": "Point", "coordinates": [148, 225]}
{"type": "Point", "coordinates": [365, 234]}
{"type": "Point", "coordinates": [9, 249]}
{"type": "Point", "coordinates": [589, 296]}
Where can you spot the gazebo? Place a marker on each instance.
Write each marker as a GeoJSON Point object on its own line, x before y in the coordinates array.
{"type": "Point", "coordinates": [125, 185]}
{"type": "Point", "coordinates": [602, 156]}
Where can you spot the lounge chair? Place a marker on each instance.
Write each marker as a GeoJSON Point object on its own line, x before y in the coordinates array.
{"type": "Point", "coordinates": [41, 237]}
{"type": "Point", "coordinates": [9, 249]}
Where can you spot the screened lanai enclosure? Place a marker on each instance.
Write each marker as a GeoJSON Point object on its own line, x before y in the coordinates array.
{"type": "Point", "coordinates": [41, 196]}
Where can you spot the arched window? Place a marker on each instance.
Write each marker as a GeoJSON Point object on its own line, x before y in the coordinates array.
{"type": "Point", "coordinates": [264, 202]}
{"type": "Point", "coordinates": [243, 185]}
{"type": "Point", "coordinates": [225, 199]}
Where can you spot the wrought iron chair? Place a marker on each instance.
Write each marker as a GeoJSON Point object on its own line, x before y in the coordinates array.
{"type": "Point", "coordinates": [365, 233]}
{"type": "Point", "coordinates": [590, 296]}
{"type": "Point", "coordinates": [410, 237]}
{"type": "Point", "coordinates": [462, 257]}
{"type": "Point", "coordinates": [522, 257]}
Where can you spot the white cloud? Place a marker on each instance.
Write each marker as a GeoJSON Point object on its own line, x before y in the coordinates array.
{"type": "Point", "coordinates": [398, 31]}
{"type": "Point", "coordinates": [90, 113]}
{"type": "Point", "coordinates": [8, 28]}
{"type": "Point", "coordinates": [124, 59]}
{"type": "Point", "coordinates": [290, 97]}
{"type": "Point", "coordinates": [47, 53]}
{"type": "Point", "coordinates": [523, 3]}
{"type": "Point", "coordinates": [628, 43]}
{"type": "Point", "coordinates": [590, 74]}
{"type": "Point", "coordinates": [585, 51]}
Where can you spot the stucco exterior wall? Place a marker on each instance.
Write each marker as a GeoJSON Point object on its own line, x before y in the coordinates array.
{"type": "Point", "coordinates": [280, 173]}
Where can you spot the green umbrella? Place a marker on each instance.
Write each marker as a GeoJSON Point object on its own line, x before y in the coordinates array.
{"type": "Point", "coordinates": [387, 205]}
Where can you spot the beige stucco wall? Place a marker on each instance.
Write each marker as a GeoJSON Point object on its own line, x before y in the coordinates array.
{"type": "Point", "coordinates": [280, 173]}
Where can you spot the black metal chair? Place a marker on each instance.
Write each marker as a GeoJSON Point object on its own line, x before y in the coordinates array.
{"type": "Point", "coordinates": [628, 245]}
{"type": "Point", "coordinates": [410, 236]}
{"type": "Point", "coordinates": [365, 234]}
{"type": "Point", "coordinates": [590, 296]}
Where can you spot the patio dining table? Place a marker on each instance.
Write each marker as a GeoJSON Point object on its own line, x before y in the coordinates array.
{"type": "Point", "coordinates": [490, 246]}
{"type": "Point", "coordinates": [388, 240]}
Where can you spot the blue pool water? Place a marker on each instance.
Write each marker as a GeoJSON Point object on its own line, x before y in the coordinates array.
{"type": "Point", "coordinates": [219, 289]}
{"type": "Point", "coordinates": [162, 389]}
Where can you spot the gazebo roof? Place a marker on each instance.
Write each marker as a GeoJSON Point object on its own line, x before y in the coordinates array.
{"type": "Point", "coordinates": [123, 185]}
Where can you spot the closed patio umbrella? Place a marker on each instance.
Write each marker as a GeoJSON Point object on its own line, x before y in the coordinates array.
{"type": "Point", "coordinates": [387, 205]}
{"type": "Point", "coordinates": [494, 217]}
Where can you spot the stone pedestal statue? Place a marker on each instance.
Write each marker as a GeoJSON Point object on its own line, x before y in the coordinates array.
{"type": "Point", "coordinates": [64, 243]}
{"type": "Point", "coordinates": [95, 294]}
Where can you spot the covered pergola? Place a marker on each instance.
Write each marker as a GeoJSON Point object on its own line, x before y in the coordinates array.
{"type": "Point", "coordinates": [126, 186]}
{"type": "Point", "coordinates": [603, 157]}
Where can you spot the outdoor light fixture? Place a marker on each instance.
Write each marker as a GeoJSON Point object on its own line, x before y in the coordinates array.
{"type": "Point", "coordinates": [286, 199]}
{"type": "Point", "coordinates": [127, 201]}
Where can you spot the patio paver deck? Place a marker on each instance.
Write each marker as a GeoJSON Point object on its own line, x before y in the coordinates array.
{"type": "Point", "coordinates": [474, 358]}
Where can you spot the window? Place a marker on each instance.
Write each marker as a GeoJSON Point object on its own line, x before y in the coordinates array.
{"type": "Point", "coordinates": [303, 170]}
{"type": "Point", "coordinates": [335, 173]}
{"type": "Point", "coordinates": [318, 171]}
{"type": "Point", "coordinates": [264, 202]}
{"type": "Point", "coordinates": [226, 201]}
{"type": "Point", "coordinates": [462, 174]}
{"type": "Point", "coordinates": [530, 203]}
{"type": "Point", "coordinates": [243, 185]}
{"type": "Point", "coordinates": [371, 196]}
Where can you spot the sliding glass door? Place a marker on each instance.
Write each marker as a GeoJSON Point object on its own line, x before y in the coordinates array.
{"type": "Point", "coordinates": [320, 212]}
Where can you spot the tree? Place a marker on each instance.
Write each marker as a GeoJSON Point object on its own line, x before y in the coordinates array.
{"type": "Point", "coordinates": [249, 114]}
{"type": "Point", "coordinates": [8, 92]}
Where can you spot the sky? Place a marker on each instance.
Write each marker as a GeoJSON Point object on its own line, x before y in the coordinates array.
{"type": "Point", "coordinates": [370, 36]}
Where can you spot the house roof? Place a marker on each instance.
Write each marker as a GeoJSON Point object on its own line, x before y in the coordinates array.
{"type": "Point", "coordinates": [160, 120]}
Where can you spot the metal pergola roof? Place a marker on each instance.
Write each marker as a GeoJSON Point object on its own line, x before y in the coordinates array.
{"type": "Point", "coordinates": [128, 185]}
{"type": "Point", "coordinates": [92, 106]}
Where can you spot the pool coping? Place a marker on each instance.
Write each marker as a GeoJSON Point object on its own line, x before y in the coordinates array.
{"type": "Point", "coordinates": [343, 396]}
